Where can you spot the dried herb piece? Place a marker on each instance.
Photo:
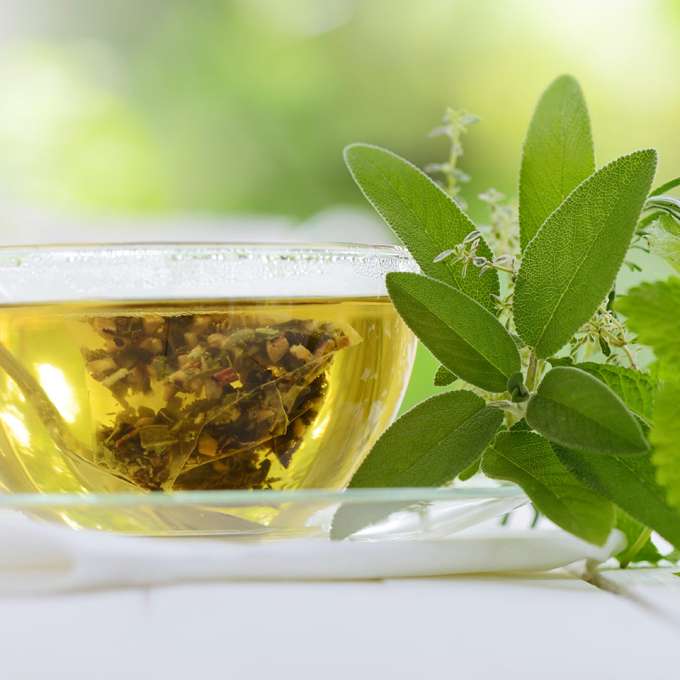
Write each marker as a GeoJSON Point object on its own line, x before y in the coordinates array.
{"type": "Point", "coordinates": [240, 425]}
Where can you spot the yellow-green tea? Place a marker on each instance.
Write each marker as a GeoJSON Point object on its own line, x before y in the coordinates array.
{"type": "Point", "coordinates": [196, 394]}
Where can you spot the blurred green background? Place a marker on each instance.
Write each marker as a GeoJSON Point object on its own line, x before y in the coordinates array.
{"type": "Point", "coordinates": [241, 107]}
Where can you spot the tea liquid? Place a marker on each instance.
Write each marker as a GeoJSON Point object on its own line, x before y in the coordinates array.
{"type": "Point", "coordinates": [196, 394]}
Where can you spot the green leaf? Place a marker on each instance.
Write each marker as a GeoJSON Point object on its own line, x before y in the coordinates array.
{"type": "Point", "coordinates": [428, 446]}
{"type": "Point", "coordinates": [665, 238]}
{"type": "Point", "coordinates": [576, 410]}
{"type": "Point", "coordinates": [557, 156]}
{"type": "Point", "coordinates": [423, 216]}
{"type": "Point", "coordinates": [520, 426]}
{"type": "Point", "coordinates": [444, 377]}
{"type": "Point", "coordinates": [465, 337]}
{"type": "Point", "coordinates": [664, 218]}
{"type": "Point", "coordinates": [666, 186]}
{"type": "Point", "coordinates": [528, 460]}
{"type": "Point", "coordinates": [639, 546]}
{"type": "Point", "coordinates": [470, 470]}
{"type": "Point", "coordinates": [518, 390]}
{"type": "Point", "coordinates": [628, 481]}
{"type": "Point", "coordinates": [569, 267]}
{"type": "Point", "coordinates": [653, 313]}
{"type": "Point", "coordinates": [636, 389]}
{"type": "Point", "coordinates": [665, 438]}
{"type": "Point", "coordinates": [670, 224]}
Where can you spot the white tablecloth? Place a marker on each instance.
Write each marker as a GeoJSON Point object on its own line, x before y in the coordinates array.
{"type": "Point", "coordinates": [39, 557]}
{"type": "Point", "coordinates": [545, 627]}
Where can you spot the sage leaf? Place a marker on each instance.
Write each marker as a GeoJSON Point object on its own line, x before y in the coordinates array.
{"type": "Point", "coordinates": [444, 377]}
{"type": "Point", "coordinates": [470, 471]}
{"type": "Point", "coordinates": [422, 215]}
{"type": "Point", "coordinates": [629, 482]}
{"type": "Point", "coordinates": [520, 426]}
{"type": "Point", "coordinates": [428, 446]}
{"type": "Point", "coordinates": [665, 438]}
{"type": "Point", "coordinates": [557, 155]}
{"type": "Point", "coordinates": [465, 337]}
{"type": "Point", "coordinates": [528, 460]}
{"type": "Point", "coordinates": [569, 267]}
{"type": "Point", "coordinates": [639, 392]}
{"type": "Point", "coordinates": [518, 390]}
{"type": "Point", "coordinates": [653, 313]}
{"type": "Point", "coordinates": [636, 389]}
{"type": "Point", "coordinates": [576, 410]}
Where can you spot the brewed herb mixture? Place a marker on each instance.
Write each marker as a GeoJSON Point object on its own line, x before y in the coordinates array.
{"type": "Point", "coordinates": [195, 397]}
{"type": "Point", "coordinates": [233, 393]}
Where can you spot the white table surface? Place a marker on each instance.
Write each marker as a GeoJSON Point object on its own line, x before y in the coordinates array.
{"type": "Point", "coordinates": [547, 626]}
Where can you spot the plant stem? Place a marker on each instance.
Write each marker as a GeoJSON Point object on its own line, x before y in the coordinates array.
{"type": "Point", "coordinates": [518, 410]}
{"type": "Point", "coordinates": [634, 549]}
{"type": "Point", "coordinates": [630, 356]}
{"type": "Point", "coordinates": [535, 518]}
{"type": "Point", "coordinates": [531, 372]}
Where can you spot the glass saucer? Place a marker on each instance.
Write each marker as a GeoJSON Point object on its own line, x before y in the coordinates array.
{"type": "Point", "coordinates": [411, 513]}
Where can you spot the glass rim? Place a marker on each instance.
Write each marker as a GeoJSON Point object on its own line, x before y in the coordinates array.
{"type": "Point", "coordinates": [244, 497]}
{"type": "Point", "coordinates": [194, 270]}
{"type": "Point", "coordinates": [393, 249]}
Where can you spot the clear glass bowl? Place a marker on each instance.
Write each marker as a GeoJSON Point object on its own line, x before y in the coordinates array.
{"type": "Point", "coordinates": [143, 367]}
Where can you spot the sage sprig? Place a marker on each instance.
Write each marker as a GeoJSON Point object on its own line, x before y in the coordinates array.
{"type": "Point", "coordinates": [511, 310]}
